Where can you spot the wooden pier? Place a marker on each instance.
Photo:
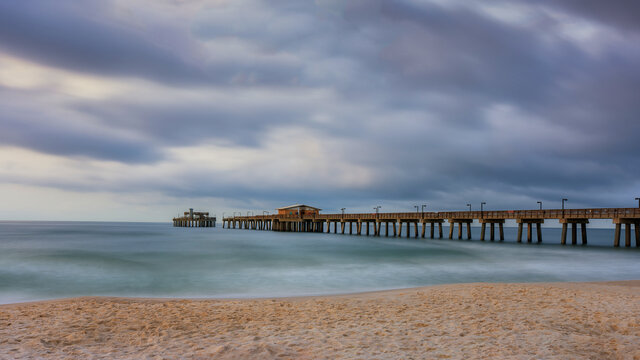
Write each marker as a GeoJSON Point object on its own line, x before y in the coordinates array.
{"type": "Point", "coordinates": [195, 219]}
{"type": "Point", "coordinates": [395, 222]}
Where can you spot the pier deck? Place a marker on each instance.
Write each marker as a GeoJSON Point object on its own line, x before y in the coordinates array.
{"type": "Point", "coordinates": [324, 222]}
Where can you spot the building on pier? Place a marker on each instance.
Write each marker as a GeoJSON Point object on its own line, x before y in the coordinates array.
{"type": "Point", "coordinates": [195, 215]}
{"type": "Point", "coordinates": [298, 209]}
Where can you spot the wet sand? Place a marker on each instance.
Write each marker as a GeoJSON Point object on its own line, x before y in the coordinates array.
{"type": "Point", "coordinates": [466, 321]}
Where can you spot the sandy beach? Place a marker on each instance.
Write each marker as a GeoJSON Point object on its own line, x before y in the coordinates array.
{"type": "Point", "coordinates": [480, 321]}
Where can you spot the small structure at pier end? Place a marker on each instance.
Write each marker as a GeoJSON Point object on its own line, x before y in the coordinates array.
{"type": "Point", "coordinates": [195, 219]}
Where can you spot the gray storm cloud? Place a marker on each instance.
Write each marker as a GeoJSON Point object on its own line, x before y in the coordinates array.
{"type": "Point", "coordinates": [514, 101]}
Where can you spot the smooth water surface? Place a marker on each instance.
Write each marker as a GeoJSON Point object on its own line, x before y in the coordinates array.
{"type": "Point", "coordinates": [43, 260]}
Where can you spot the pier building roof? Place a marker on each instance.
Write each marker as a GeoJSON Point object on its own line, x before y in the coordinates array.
{"type": "Point", "coordinates": [299, 206]}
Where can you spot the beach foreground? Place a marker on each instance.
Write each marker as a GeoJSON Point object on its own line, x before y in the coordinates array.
{"type": "Point", "coordinates": [551, 320]}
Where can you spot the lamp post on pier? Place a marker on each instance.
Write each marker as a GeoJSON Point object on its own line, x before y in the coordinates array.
{"type": "Point", "coordinates": [540, 203]}
{"type": "Point", "coordinates": [563, 200]}
{"type": "Point", "coordinates": [342, 212]}
{"type": "Point", "coordinates": [469, 205]}
{"type": "Point", "coordinates": [482, 208]}
{"type": "Point", "coordinates": [423, 206]}
{"type": "Point", "coordinates": [638, 198]}
{"type": "Point", "coordinates": [377, 209]}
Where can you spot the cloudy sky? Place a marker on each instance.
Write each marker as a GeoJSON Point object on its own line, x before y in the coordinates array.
{"type": "Point", "coordinates": [136, 110]}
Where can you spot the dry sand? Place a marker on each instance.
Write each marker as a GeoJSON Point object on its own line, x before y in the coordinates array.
{"type": "Point", "coordinates": [470, 321]}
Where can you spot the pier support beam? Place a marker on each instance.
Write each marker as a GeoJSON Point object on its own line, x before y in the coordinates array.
{"type": "Point", "coordinates": [432, 223]}
{"type": "Point", "coordinates": [627, 231]}
{"type": "Point", "coordinates": [627, 235]}
{"type": "Point", "coordinates": [460, 223]}
{"type": "Point", "coordinates": [574, 230]}
{"type": "Point", "coordinates": [530, 223]}
{"type": "Point", "coordinates": [492, 223]}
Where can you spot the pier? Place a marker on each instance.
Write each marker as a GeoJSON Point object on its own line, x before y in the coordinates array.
{"type": "Point", "coordinates": [415, 224]}
{"type": "Point", "coordinates": [195, 219]}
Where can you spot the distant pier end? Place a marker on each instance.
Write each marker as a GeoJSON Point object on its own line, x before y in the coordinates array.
{"type": "Point", "coordinates": [195, 219]}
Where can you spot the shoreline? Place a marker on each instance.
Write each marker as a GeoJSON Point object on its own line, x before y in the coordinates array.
{"type": "Point", "coordinates": [578, 320]}
{"type": "Point", "coordinates": [623, 283]}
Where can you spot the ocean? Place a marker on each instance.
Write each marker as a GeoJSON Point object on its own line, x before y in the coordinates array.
{"type": "Point", "coordinates": [47, 260]}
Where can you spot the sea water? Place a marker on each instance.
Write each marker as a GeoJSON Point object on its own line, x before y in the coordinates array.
{"type": "Point", "coordinates": [45, 260]}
